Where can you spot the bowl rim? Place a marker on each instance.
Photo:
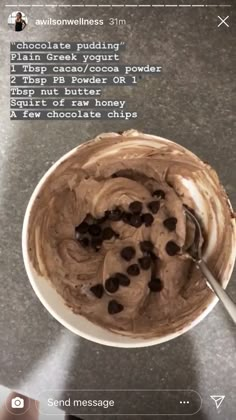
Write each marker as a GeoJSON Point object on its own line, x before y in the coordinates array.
{"type": "Point", "coordinates": [125, 341]}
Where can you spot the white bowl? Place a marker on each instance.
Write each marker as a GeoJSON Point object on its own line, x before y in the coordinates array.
{"type": "Point", "coordinates": [78, 324]}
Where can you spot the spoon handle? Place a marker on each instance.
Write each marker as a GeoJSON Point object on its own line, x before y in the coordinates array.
{"type": "Point", "coordinates": [218, 289]}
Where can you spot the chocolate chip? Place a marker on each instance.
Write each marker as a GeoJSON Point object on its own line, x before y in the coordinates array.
{"type": "Point", "coordinates": [154, 206]}
{"type": "Point", "coordinates": [115, 215]}
{"type": "Point", "coordinates": [159, 194]}
{"type": "Point", "coordinates": [126, 217]}
{"type": "Point", "coordinates": [123, 279]}
{"type": "Point", "coordinates": [133, 270]}
{"type": "Point", "coordinates": [172, 248]}
{"type": "Point", "coordinates": [128, 253]}
{"type": "Point", "coordinates": [84, 242]}
{"type": "Point", "coordinates": [112, 284]}
{"type": "Point", "coordinates": [135, 220]}
{"type": "Point", "coordinates": [101, 219]}
{"type": "Point", "coordinates": [82, 228]}
{"type": "Point", "coordinates": [155, 285]}
{"type": "Point", "coordinates": [136, 207]}
{"type": "Point", "coordinates": [94, 230]}
{"type": "Point", "coordinates": [107, 213]}
{"type": "Point", "coordinates": [146, 246]}
{"type": "Point", "coordinates": [170, 223]}
{"type": "Point", "coordinates": [147, 219]}
{"type": "Point", "coordinates": [153, 256]}
{"type": "Point", "coordinates": [114, 307]}
{"type": "Point", "coordinates": [107, 233]}
{"type": "Point", "coordinates": [97, 290]}
{"type": "Point", "coordinates": [145, 262]}
{"type": "Point", "coordinates": [96, 243]}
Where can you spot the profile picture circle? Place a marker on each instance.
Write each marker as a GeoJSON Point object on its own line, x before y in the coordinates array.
{"type": "Point", "coordinates": [17, 21]}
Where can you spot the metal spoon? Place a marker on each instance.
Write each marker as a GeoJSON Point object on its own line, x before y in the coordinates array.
{"type": "Point", "coordinates": [195, 251]}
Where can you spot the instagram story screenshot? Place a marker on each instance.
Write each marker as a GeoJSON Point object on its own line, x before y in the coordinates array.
{"type": "Point", "coordinates": [117, 221]}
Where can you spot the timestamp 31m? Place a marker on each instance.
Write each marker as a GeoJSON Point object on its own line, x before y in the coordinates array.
{"type": "Point", "coordinates": [117, 22]}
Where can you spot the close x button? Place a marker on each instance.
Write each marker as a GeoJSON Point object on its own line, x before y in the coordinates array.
{"type": "Point", "coordinates": [223, 21]}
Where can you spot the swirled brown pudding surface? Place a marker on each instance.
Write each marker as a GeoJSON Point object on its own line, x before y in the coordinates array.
{"type": "Point", "coordinates": [108, 229]}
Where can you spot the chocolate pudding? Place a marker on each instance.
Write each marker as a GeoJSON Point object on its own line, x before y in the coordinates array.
{"type": "Point", "coordinates": [109, 231]}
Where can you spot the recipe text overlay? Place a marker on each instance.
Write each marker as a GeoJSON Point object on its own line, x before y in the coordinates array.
{"type": "Point", "coordinates": [64, 81]}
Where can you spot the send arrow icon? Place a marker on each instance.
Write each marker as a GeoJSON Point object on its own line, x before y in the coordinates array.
{"type": "Point", "coordinates": [218, 399]}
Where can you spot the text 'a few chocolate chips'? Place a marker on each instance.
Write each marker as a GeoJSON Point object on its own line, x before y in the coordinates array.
{"type": "Point", "coordinates": [97, 290]}
{"type": "Point", "coordinates": [114, 307]}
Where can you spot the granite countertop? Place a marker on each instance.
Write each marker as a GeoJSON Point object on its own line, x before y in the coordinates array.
{"type": "Point", "coordinates": [190, 103]}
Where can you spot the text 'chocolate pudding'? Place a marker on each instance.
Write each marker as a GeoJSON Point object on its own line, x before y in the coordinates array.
{"type": "Point", "coordinates": [108, 229]}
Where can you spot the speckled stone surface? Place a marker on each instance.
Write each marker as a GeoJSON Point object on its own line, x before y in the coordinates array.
{"type": "Point", "coordinates": [190, 103]}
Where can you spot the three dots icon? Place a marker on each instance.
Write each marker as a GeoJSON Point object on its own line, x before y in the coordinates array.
{"type": "Point", "coordinates": [184, 402]}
